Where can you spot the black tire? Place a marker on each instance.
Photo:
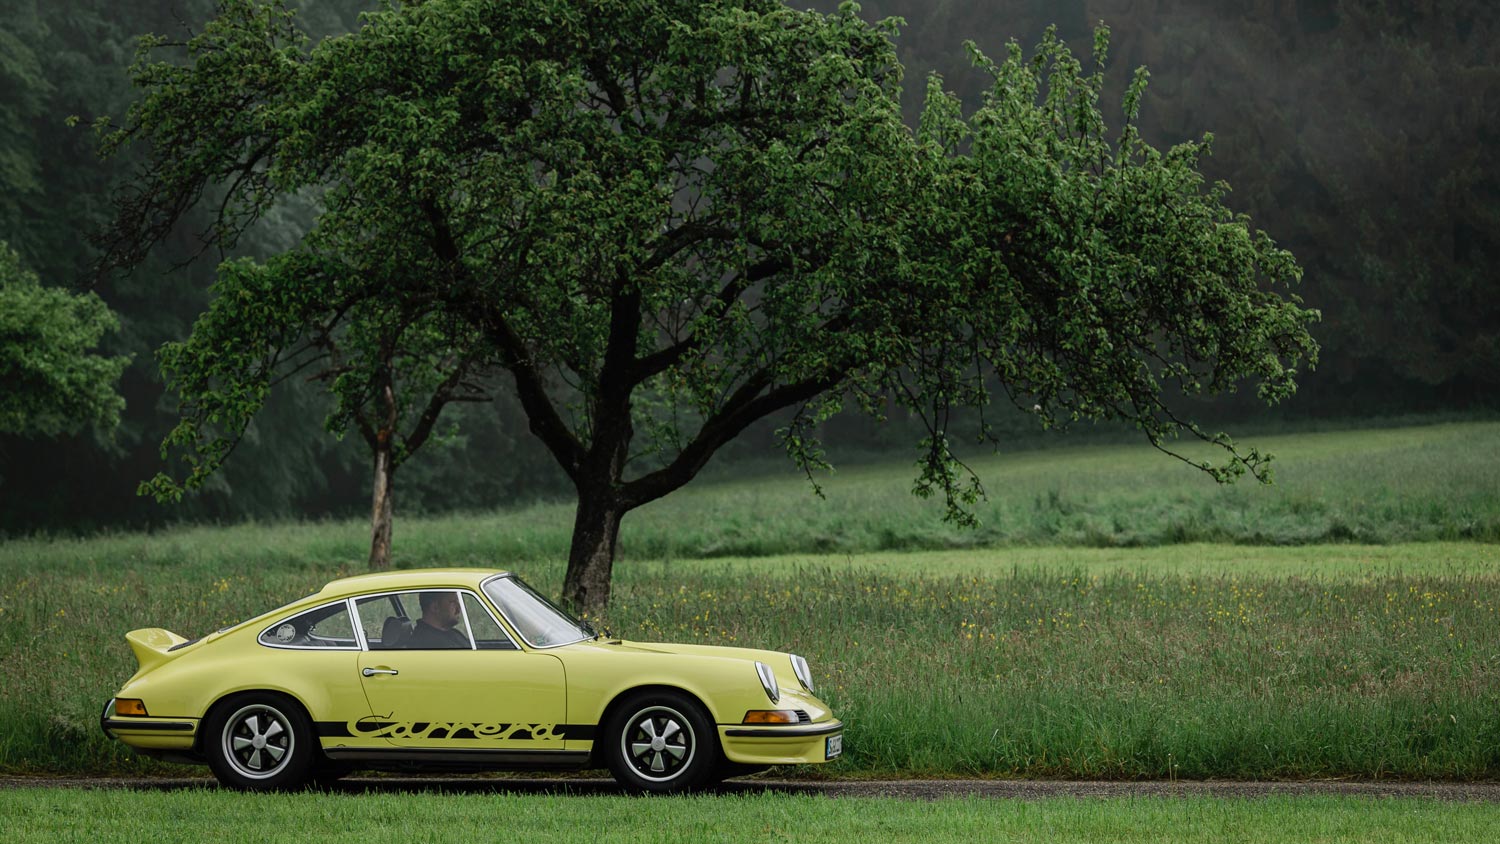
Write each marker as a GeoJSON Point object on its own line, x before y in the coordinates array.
{"type": "Point", "coordinates": [661, 742]}
{"type": "Point", "coordinates": [260, 742]}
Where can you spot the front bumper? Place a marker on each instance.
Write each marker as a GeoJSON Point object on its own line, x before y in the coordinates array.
{"type": "Point", "coordinates": [801, 744]}
{"type": "Point", "coordinates": [148, 733]}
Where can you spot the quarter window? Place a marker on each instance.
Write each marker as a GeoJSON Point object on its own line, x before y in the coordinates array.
{"type": "Point", "coordinates": [487, 634]}
{"type": "Point", "coordinates": [327, 626]}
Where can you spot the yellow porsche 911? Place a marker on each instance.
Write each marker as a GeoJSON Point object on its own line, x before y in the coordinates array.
{"type": "Point", "coordinates": [460, 669]}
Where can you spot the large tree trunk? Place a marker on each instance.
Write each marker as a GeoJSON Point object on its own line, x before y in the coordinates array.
{"type": "Point", "coordinates": [382, 510]}
{"type": "Point", "coordinates": [596, 532]}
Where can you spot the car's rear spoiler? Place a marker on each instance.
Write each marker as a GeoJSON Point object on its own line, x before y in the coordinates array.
{"type": "Point", "coordinates": [152, 645]}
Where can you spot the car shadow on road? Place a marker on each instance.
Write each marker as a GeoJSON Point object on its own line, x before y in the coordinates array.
{"type": "Point", "coordinates": [397, 784]}
{"type": "Point", "coordinates": [560, 786]}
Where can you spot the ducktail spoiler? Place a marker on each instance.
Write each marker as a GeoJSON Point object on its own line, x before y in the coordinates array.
{"type": "Point", "coordinates": [152, 646]}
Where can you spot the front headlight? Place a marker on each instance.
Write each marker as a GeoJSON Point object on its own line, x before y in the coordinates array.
{"type": "Point", "coordinates": [768, 681]}
{"type": "Point", "coordinates": [804, 674]}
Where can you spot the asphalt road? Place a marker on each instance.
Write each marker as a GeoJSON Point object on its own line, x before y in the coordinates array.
{"type": "Point", "coordinates": [898, 789]}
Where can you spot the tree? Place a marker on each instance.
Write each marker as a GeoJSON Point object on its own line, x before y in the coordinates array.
{"type": "Point", "coordinates": [391, 369]}
{"type": "Point", "coordinates": [52, 381]}
{"type": "Point", "coordinates": [669, 220]}
{"type": "Point", "coordinates": [62, 59]}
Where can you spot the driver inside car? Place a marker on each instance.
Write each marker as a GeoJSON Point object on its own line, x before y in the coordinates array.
{"type": "Point", "coordinates": [437, 628]}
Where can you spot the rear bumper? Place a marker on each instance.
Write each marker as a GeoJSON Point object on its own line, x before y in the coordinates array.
{"type": "Point", "coordinates": [802, 744]}
{"type": "Point", "coordinates": [149, 733]}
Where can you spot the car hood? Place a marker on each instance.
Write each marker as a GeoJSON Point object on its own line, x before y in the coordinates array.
{"type": "Point", "coordinates": [717, 651]}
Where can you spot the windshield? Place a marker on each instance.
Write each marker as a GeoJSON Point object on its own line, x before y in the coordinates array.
{"type": "Point", "coordinates": [539, 621]}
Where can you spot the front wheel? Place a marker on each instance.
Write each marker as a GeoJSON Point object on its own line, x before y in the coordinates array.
{"type": "Point", "coordinates": [661, 742]}
{"type": "Point", "coordinates": [260, 742]}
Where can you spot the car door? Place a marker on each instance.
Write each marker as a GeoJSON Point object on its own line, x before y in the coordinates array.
{"type": "Point", "coordinates": [454, 700]}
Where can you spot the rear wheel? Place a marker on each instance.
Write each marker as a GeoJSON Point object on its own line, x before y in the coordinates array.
{"type": "Point", "coordinates": [260, 742]}
{"type": "Point", "coordinates": [661, 742]}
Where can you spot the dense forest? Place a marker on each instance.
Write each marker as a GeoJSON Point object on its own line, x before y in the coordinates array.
{"type": "Point", "coordinates": [1360, 135]}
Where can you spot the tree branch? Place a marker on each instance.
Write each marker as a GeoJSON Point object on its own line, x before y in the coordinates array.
{"type": "Point", "coordinates": [541, 414]}
{"type": "Point", "coordinates": [663, 359]}
{"type": "Point", "coordinates": [743, 408]}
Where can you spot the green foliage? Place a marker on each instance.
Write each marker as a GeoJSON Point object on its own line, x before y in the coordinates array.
{"type": "Point", "coordinates": [81, 52]}
{"type": "Point", "coordinates": [1362, 135]}
{"type": "Point", "coordinates": [1107, 276]}
{"type": "Point", "coordinates": [21, 72]}
{"type": "Point", "coordinates": [389, 371]}
{"type": "Point", "coordinates": [1354, 132]}
{"type": "Point", "coordinates": [683, 217]}
{"type": "Point", "coordinates": [52, 380]}
{"type": "Point", "coordinates": [1359, 133]}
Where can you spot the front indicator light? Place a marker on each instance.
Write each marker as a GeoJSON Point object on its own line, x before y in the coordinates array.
{"type": "Point", "coordinates": [129, 706]}
{"type": "Point", "coordinates": [770, 716]}
{"type": "Point", "coordinates": [768, 681]}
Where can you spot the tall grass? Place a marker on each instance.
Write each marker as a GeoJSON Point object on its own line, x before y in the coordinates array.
{"type": "Point", "coordinates": [1125, 676]}
{"type": "Point", "coordinates": [1032, 672]}
{"type": "Point", "coordinates": [1076, 634]}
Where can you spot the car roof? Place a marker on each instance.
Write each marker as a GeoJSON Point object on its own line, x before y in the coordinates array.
{"type": "Point", "coordinates": [407, 579]}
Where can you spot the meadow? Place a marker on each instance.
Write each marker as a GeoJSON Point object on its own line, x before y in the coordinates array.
{"type": "Point", "coordinates": [1024, 654]}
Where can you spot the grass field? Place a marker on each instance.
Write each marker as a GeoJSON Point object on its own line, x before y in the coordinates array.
{"type": "Point", "coordinates": [1380, 486]}
{"type": "Point", "coordinates": [56, 815]}
{"type": "Point", "coordinates": [1016, 659]}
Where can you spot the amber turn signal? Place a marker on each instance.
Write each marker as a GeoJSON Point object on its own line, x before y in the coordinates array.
{"type": "Point", "coordinates": [770, 716]}
{"type": "Point", "coordinates": [128, 706]}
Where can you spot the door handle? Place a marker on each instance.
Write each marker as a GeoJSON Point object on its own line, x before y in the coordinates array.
{"type": "Point", "coordinates": [371, 672]}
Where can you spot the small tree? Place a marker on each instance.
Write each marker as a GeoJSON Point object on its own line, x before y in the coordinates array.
{"type": "Point", "coordinates": [669, 220]}
{"type": "Point", "coordinates": [390, 369]}
{"type": "Point", "coordinates": [52, 381]}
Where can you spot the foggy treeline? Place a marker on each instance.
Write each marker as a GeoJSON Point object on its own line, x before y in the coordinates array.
{"type": "Point", "coordinates": [1361, 135]}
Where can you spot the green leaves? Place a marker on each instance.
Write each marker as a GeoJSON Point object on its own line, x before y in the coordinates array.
{"type": "Point", "coordinates": [1098, 277]}
{"type": "Point", "coordinates": [669, 220]}
{"type": "Point", "coordinates": [52, 380]}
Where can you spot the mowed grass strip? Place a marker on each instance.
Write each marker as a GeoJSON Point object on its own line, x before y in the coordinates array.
{"type": "Point", "coordinates": [1034, 672]}
{"type": "Point", "coordinates": [58, 815]}
{"type": "Point", "coordinates": [1436, 483]}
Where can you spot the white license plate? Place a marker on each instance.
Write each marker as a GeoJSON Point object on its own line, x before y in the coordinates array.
{"type": "Point", "coordinates": [835, 746]}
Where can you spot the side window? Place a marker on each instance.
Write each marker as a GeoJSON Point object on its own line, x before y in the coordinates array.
{"type": "Point", "coordinates": [424, 620]}
{"type": "Point", "coordinates": [384, 621]}
{"type": "Point", "coordinates": [325, 627]}
{"type": "Point", "coordinates": [487, 634]}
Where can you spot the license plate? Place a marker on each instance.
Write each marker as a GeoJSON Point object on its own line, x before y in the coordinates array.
{"type": "Point", "coordinates": [835, 746]}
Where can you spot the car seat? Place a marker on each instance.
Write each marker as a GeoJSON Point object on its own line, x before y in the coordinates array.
{"type": "Point", "coordinates": [394, 631]}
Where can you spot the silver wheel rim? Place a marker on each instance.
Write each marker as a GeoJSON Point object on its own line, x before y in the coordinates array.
{"type": "Point", "coordinates": [258, 741]}
{"type": "Point", "coordinates": [658, 743]}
